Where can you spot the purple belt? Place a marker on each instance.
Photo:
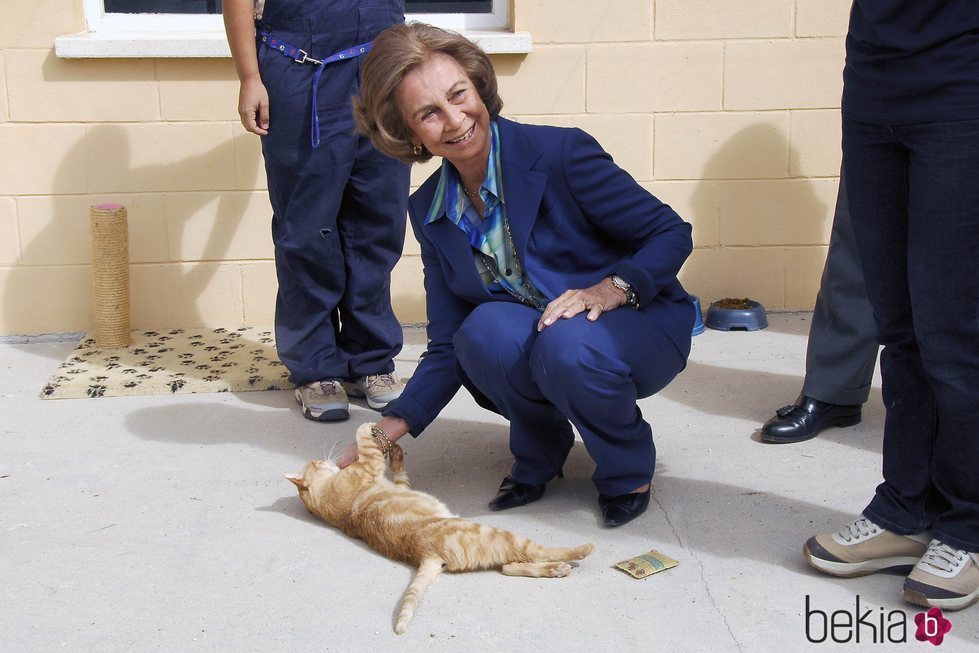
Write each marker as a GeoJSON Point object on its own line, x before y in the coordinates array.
{"type": "Point", "coordinates": [301, 57]}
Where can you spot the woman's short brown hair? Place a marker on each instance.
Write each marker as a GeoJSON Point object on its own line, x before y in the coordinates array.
{"type": "Point", "coordinates": [396, 51]}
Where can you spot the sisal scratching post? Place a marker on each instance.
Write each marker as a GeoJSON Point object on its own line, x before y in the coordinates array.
{"type": "Point", "coordinates": [110, 274]}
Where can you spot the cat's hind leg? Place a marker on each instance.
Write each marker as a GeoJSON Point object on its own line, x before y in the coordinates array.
{"type": "Point", "coordinates": [546, 561]}
{"type": "Point", "coordinates": [537, 569]}
{"type": "Point", "coordinates": [540, 553]}
{"type": "Point", "coordinates": [428, 570]}
{"type": "Point", "coordinates": [397, 463]}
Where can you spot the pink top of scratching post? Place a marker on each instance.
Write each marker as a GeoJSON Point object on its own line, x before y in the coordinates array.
{"type": "Point", "coordinates": [108, 207]}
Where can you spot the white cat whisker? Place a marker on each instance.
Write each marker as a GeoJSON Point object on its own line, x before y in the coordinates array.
{"type": "Point", "coordinates": [330, 456]}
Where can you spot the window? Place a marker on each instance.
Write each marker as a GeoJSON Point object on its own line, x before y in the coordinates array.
{"type": "Point", "coordinates": [214, 7]}
{"type": "Point", "coordinates": [464, 6]}
{"type": "Point", "coordinates": [193, 28]}
{"type": "Point", "coordinates": [160, 14]}
{"type": "Point", "coordinates": [162, 6]}
{"type": "Point", "coordinates": [461, 15]}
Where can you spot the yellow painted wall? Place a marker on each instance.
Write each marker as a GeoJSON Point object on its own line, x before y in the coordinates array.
{"type": "Point", "coordinates": [726, 109]}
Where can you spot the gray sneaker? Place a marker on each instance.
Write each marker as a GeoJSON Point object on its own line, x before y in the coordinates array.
{"type": "Point", "coordinates": [323, 401]}
{"type": "Point", "coordinates": [862, 547]}
{"type": "Point", "coordinates": [379, 389]}
{"type": "Point", "coordinates": [944, 578]}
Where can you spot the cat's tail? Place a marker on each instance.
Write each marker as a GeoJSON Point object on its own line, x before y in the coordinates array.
{"type": "Point", "coordinates": [426, 574]}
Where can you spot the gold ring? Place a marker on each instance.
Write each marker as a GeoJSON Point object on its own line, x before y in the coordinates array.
{"type": "Point", "coordinates": [583, 303]}
{"type": "Point", "coordinates": [603, 307]}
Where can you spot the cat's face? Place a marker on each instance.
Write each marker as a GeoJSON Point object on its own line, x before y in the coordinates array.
{"type": "Point", "coordinates": [316, 476]}
{"type": "Point", "coordinates": [319, 469]}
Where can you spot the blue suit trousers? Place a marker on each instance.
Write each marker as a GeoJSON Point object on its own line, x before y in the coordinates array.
{"type": "Point", "coordinates": [575, 372]}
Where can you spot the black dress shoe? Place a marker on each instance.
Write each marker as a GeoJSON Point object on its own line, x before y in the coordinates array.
{"type": "Point", "coordinates": [623, 508]}
{"type": "Point", "coordinates": [513, 494]}
{"type": "Point", "coordinates": [806, 418]}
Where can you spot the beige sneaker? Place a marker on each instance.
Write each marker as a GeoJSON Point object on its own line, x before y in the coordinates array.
{"type": "Point", "coordinates": [323, 401]}
{"type": "Point", "coordinates": [379, 389]}
{"type": "Point", "coordinates": [862, 547]}
{"type": "Point", "coordinates": [944, 578]}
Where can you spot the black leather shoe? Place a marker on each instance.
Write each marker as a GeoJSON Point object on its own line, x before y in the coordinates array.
{"type": "Point", "coordinates": [623, 508]}
{"type": "Point", "coordinates": [806, 418]}
{"type": "Point", "coordinates": [513, 494]}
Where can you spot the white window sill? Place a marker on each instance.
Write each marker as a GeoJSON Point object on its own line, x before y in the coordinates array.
{"type": "Point", "coordinates": [212, 43]}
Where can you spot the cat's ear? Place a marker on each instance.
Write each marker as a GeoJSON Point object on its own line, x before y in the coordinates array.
{"type": "Point", "coordinates": [298, 481]}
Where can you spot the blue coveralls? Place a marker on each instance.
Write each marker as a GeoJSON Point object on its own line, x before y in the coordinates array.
{"type": "Point", "coordinates": [339, 209]}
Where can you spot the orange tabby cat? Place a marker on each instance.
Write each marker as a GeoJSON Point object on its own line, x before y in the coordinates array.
{"type": "Point", "coordinates": [415, 527]}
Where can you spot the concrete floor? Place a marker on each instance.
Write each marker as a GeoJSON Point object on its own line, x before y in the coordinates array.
{"type": "Point", "coordinates": [164, 524]}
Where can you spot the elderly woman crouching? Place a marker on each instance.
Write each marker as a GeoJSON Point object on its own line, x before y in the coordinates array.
{"type": "Point", "coordinates": [550, 274]}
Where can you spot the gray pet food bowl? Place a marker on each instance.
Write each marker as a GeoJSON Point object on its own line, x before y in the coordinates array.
{"type": "Point", "coordinates": [752, 318]}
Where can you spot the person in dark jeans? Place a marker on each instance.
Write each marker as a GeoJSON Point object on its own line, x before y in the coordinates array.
{"type": "Point", "coordinates": [910, 156]}
{"type": "Point", "coordinates": [842, 349]}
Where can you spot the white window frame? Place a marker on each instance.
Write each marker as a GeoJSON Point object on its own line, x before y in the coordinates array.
{"type": "Point", "coordinates": [202, 35]}
{"type": "Point", "coordinates": [99, 21]}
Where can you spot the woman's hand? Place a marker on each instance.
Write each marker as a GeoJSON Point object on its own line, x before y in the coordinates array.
{"type": "Point", "coordinates": [600, 298]}
{"type": "Point", "coordinates": [394, 427]}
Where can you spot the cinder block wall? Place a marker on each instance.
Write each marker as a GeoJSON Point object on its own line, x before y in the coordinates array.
{"type": "Point", "coordinates": [726, 109]}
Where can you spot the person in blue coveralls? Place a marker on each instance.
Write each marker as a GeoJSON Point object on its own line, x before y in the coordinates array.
{"type": "Point", "coordinates": [550, 273]}
{"type": "Point", "coordinates": [338, 205]}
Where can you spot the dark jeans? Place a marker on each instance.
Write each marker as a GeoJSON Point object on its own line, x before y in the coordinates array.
{"type": "Point", "coordinates": [914, 204]}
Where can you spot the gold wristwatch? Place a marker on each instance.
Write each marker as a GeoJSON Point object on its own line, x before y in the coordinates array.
{"type": "Point", "coordinates": [631, 298]}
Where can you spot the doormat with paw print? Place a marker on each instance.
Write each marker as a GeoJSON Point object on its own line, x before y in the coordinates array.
{"type": "Point", "coordinates": [172, 361]}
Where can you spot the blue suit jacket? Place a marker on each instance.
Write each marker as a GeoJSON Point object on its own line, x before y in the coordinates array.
{"type": "Point", "coordinates": [575, 217]}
